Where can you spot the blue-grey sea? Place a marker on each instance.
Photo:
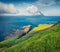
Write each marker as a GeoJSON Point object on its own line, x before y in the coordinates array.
{"type": "Point", "coordinates": [8, 24]}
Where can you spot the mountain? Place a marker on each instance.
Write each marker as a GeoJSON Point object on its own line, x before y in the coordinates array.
{"type": "Point", "coordinates": [47, 40]}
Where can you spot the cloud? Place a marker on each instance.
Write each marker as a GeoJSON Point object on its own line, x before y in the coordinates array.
{"type": "Point", "coordinates": [7, 8]}
{"type": "Point", "coordinates": [45, 2]}
{"type": "Point", "coordinates": [33, 10]}
{"type": "Point", "coordinates": [10, 9]}
{"type": "Point", "coordinates": [29, 10]}
{"type": "Point", "coordinates": [52, 12]}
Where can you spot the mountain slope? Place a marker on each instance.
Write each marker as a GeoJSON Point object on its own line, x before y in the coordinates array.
{"type": "Point", "coordinates": [47, 40]}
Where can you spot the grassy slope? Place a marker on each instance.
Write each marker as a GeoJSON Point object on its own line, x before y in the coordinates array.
{"type": "Point", "coordinates": [42, 41]}
{"type": "Point", "coordinates": [12, 41]}
{"type": "Point", "coordinates": [42, 27]}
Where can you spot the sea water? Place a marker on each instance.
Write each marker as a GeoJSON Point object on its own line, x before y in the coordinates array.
{"type": "Point", "coordinates": [8, 24]}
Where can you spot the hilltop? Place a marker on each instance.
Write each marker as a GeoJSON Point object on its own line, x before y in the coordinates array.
{"type": "Point", "coordinates": [46, 40]}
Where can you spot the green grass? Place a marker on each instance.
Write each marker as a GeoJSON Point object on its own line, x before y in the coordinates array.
{"type": "Point", "coordinates": [47, 40]}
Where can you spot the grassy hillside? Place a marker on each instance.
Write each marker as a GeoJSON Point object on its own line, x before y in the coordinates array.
{"type": "Point", "coordinates": [42, 27]}
{"type": "Point", "coordinates": [47, 40]}
{"type": "Point", "coordinates": [15, 40]}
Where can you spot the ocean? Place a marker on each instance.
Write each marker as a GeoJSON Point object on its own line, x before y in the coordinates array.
{"type": "Point", "coordinates": [9, 24]}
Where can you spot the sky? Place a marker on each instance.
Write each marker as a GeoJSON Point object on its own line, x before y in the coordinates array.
{"type": "Point", "coordinates": [29, 7]}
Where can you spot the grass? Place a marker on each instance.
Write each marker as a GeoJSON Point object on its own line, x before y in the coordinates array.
{"type": "Point", "coordinates": [42, 27]}
{"type": "Point", "coordinates": [12, 41]}
{"type": "Point", "coordinates": [47, 40]}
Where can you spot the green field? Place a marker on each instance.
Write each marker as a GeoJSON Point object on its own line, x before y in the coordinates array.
{"type": "Point", "coordinates": [47, 40]}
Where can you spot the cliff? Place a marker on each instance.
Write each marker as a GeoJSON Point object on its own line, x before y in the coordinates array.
{"type": "Point", "coordinates": [20, 33]}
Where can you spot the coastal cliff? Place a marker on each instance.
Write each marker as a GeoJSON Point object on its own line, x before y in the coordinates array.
{"type": "Point", "coordinates": [20, 33]}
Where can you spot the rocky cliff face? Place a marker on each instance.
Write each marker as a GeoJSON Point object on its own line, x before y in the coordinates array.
{"type": "Point", "coordinates": [20, 33]}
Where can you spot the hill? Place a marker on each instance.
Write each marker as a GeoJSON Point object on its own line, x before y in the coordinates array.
{"type": "Point", "coordinates": [47, 40]}
{"type": "Point", "coordinates": [42, 27]}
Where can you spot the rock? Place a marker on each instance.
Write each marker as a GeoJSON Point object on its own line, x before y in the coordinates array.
{"type": "Point", "coordinates": [25, 30]}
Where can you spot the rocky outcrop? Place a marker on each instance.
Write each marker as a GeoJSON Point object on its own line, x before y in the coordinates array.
{"type": "Point", "coordinates": [26, 28]}
{"type": "Point", "coordinates": [20, 33]}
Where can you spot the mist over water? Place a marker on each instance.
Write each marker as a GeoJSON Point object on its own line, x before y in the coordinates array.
{"type": "Point", "coordinates": [9, 24]}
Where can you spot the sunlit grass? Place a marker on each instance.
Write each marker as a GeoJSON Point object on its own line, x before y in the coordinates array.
{"type": "Point", "coordinates": [42, 27]}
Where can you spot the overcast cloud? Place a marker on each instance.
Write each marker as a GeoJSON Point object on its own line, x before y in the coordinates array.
{"type": "Point", "coordinates": [33, 9]}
